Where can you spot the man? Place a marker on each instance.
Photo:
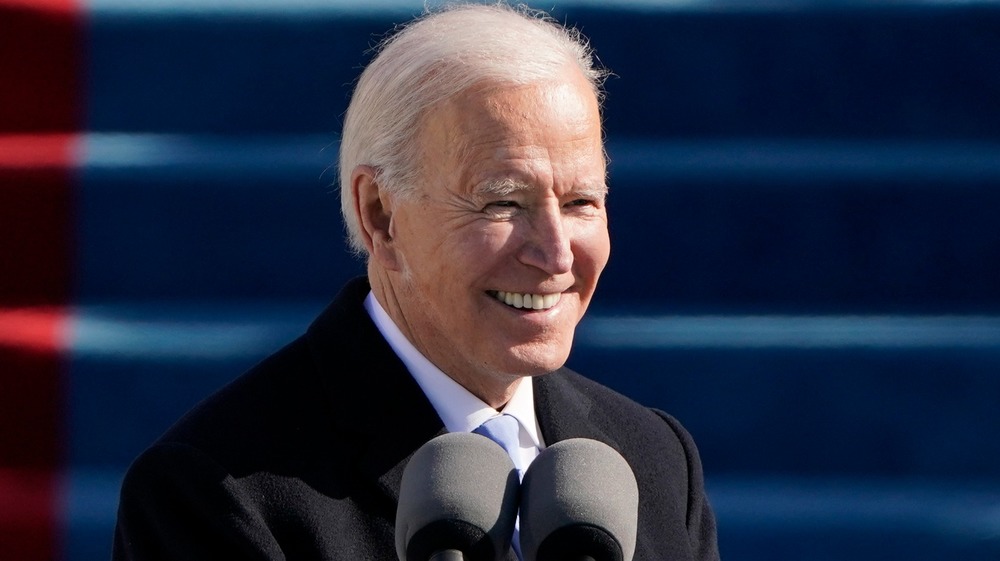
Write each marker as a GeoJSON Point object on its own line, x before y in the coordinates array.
{"type": "Point", "coordinates": [473, 182]}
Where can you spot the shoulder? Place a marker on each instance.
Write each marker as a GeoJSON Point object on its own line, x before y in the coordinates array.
{"type": "Point", "coordinates": [262, 431]}
{"type": "Point", "coordinates": [287, 399]}
{"type": "Point", "coordinates": [229, 464]}
{"type": "Point", "coordinates": [263, 404]}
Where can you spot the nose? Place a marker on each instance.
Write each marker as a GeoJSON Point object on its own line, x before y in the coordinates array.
{"type": "Point", "coordinates": [548, 241]}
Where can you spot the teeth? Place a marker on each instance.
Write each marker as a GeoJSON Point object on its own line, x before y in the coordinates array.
{"type": "Point", "coordinates": [529, 301]}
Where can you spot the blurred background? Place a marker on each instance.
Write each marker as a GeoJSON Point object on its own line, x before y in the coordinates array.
{"type": "Point", "coordinates": [805, 267]}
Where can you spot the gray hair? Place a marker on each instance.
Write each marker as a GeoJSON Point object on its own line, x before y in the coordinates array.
{"type": "Point", "coordinates": [434, 58]}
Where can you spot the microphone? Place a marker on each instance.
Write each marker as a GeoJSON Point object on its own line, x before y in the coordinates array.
{"type": "Point", "coordinates": [457, 502]}
{"type": "Point", "coordinates": [579, 502]}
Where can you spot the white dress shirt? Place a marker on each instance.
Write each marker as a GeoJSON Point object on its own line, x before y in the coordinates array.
{"type": "Point", "coordinates": [458, 408]}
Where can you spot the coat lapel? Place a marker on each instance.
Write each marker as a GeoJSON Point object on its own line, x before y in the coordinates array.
{"type": "Point", "coordinates": [374, 400]}
{"type": "Point", "coordinates": [564, 412]}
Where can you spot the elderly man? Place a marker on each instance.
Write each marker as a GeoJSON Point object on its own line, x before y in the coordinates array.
{"type": "Point", "coordinates": [473, 182]}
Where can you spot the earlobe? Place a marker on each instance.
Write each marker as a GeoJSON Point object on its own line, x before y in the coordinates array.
{"type": "Point", "coordinates": [373, 209]}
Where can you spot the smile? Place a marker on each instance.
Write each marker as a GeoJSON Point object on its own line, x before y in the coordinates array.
{"type": "Point", "coordinates": [527, 301]}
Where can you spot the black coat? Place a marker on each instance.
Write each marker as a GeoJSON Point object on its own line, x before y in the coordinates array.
{"type": "Point", "coordinates": [302, 457]}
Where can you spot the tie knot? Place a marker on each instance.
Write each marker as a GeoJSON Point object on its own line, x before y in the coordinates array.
{"type": "Point", "coordinates": [505, 431]}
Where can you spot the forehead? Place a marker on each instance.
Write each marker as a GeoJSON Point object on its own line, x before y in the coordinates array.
{"type": "Point", "coordinates": [549, 131]}
{"type": "Point", "coordinates": [563, 105]}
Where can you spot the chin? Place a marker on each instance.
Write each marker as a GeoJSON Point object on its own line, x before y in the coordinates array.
{"type": "Point", "coordinates": [535, 361]}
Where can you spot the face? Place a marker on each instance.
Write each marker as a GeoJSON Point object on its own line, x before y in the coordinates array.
{"type": "Point", "coordinates": [497, 256]}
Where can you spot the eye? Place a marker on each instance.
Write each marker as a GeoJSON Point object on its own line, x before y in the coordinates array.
{"type": "Point", "coordinates": [501, 210]}
{"type": "Point", "coordinates": [583, 202]}
{"type": "Point", "coordinates": [501, 207]}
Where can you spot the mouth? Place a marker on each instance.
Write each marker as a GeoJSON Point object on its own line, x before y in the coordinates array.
{"type": "Point", "coordinates": [527, 301]}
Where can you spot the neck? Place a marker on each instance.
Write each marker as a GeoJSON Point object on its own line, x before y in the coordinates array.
{"type": "Point", "coordinates": [492, 388]}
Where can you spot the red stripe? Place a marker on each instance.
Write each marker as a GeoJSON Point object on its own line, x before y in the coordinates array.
{"type": "Point", "coordinates": [34, 152]}
{"type": "Point", "coordinates": [66, 7]}
{"type": "Point", "coordinates": [33, 330]}
{"type": "Point", "coordinates": [40, 114]}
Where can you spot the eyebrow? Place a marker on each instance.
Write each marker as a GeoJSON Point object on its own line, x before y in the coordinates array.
{"type": "Point", "coordinates": [599, 191]}
{"type": "Point", "coordinates": [501, 187]}
{"type": "Point", "coordinates": [507, 186]}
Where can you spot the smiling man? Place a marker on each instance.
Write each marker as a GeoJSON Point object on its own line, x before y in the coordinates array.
{"type": "Point", "coordinates": [488, 270]}
{"type": "Point", "coordinates": [473, 182]}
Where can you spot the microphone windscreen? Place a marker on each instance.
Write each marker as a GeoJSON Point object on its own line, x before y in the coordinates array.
{"type": "Point", "coordinates": [579, 499]}
{"type": "Point", "coordinates": [459, 491]}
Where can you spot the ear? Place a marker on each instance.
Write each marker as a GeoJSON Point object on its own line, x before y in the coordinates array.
{"type": "Point", "coordinates": [373, 209]}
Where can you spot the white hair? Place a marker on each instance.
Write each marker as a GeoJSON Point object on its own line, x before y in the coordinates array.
{"type": "Point", "coordinates": [434, 58]}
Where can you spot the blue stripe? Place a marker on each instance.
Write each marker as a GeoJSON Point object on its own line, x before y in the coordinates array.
{"type": "Point", "coordinates": [831, 332]}
{"type": "Point", "coordinates": [412, 7]}
{"type": "Point", "coordinates": [220, 332]}
{"type": "Point", "coordinates": [232, 157]}
{"type": "Point", "coordinates": [215, 333]}
{"type": "Point", "coordinates": [808, 158]}
{"type": "Point", "coordinates": [872, 160]}
{"type": "Point", "coordinates": [250, 7]}
{"type": "Point", "coordinates": [943, 507]}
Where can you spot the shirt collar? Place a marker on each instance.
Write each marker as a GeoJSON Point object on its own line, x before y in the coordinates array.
{"type": "Point", "coordinates": [458, 408]}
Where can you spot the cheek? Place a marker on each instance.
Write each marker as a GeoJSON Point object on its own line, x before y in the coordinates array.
{"type": "Point", "coordinates": [448, 267]}
{"type": "Point", "coordinates": [483, 246]}
{"type": "Point", "coordinates": [592, 248]}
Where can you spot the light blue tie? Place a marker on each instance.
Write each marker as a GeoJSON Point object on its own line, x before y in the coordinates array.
{"type": "Point", "coordinates": [506, 431]}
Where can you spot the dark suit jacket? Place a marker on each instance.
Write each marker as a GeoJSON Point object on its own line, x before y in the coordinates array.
{"type": "Point", "coordinates": [302, 457]}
